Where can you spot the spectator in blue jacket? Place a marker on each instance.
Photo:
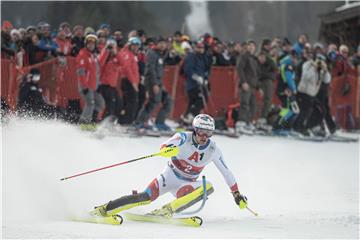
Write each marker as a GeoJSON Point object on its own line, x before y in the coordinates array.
{"type": "Point", "coordinates": [46, 42]}
{"type": "Point", "coordinates": [286, 91]}
{"type": "Point", "coordinates": [107, 30]}
{"type": "Point", "coordinates": [299, 46]}
{"type": "Point", "coordinates": [195, 70]}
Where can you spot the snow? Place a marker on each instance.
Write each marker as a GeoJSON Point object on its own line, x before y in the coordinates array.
{"type": "Point", "coordinates": [300, 189]}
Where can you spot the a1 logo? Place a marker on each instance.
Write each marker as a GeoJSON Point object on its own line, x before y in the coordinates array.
{"type": "Point", "coordinates": [195, 157]}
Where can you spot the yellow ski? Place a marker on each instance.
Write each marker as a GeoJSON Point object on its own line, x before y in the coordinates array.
{"type": "Point", "coordinates": [112, 220]}
{"type": "Point", "coordinates": [193, 221]}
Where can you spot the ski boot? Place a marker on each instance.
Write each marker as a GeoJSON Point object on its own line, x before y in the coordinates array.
{"type": "Point", "coordinates": [182, 203]}
{"type": "Point", "coordinates": [99, 211]}
{"type": "Point", "coordinates": [121, 204]}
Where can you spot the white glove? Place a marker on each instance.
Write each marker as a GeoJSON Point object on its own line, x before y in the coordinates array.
{"type": "Point", "coordinates": [198, 79]}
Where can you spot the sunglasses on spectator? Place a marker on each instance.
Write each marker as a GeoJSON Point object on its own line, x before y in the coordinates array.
{"type": "Point", "coordinates": [204, 133]}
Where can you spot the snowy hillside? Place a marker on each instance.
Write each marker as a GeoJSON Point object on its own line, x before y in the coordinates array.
{"type": "Point", "coordinates": [299, 189]}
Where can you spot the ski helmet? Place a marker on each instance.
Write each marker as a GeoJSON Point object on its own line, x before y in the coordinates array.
{"type": "Point", "coordinates": [203, 122]}
{"type": "Point", "coordinates": [134, 41]}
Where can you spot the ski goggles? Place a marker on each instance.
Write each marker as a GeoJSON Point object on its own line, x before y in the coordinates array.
{"type": "Point", "coordinates": [204, 133]}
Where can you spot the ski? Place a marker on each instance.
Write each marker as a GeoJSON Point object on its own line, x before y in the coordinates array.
{"type": "Point", "coordinates": [193, 221]}
{"type": "Point", "coordinates": [111, 220]}
{"type": "Point", "coordinates": [335, 138]}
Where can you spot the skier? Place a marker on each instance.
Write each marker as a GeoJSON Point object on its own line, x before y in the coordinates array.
{"type": "Point", "coordinates": [179, 177]}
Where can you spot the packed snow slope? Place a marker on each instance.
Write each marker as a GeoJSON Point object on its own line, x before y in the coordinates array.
{"type": "Point", "coordinates": [300, 189]}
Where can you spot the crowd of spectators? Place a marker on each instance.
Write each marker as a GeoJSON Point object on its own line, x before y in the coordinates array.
{"type": "Point", "coordinates": [258, 65]}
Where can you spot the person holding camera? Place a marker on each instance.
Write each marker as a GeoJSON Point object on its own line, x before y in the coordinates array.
{"type": "Point", "coordinates": [130, 80]}
{"type": "Point", "coordinates": [31, 102]}
{"type": "Point", "coordinates": [314, 72]}
{"type": "Point", "coordinates": [88, 71]}
{"type": "Point", "coordinates": [109, 78]}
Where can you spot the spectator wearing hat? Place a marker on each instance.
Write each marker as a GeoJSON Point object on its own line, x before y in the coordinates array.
{"type": "Point", "coordinates": [22, 32]}
{"type": "Point", "coordinates": [232, 52]}
{"type": "Point", "coordinates": [299, 46]}
{"type": "Point", "coordinates": [315, 71]}
{"type": "Point", "coordinates": [342, 62]}
{"type": "Point", "coordinates": [220, 55]}
{"type": "Point", "coordinates": [101, 34]}
{"type": "Point", "coordinates": [77, 40]}
{"type": "Point", "coordinates": [248, 71]}
{"type": "Point", "coordinates": [18, 46]}
{"type": "Point", "coordinates": [110, 73]}
{"type": "Point", "coordinates": [186, 44]}
{"type": "Point", "coordinates": [107, 30]}
{"type": "Point", "coordinates": [33, 53]}
{"type": "Point", "coordinates": [286, 92]}
{"type": "Point", "coordinates": [285, 50]}
{"type": "Point", "coordinates": [133, 33]}
{"type": "Point", "coordinates": [65, 27]}
{"type": "Point", "coordinates": [154, 71]}
{"type": "Point", "coordinates": [141, 57]}
{"type": "Point", "coordinates": [172, 56]}
{"type": "Point", "coordinates": [306, 54]}
{"type": "Point", "coordinates": [6, 50]}
{"type": "Point", "coordinates": [267, 71]}
{"type": "Point", "coordinates": [130, 80]}
{"type": "Point", "coordinates": [119, 38]}
{"type": "Point", "coordinates": [31, 102]}
{"type": "Point", "coordinates": [89, 30]}
{"type": "Point", "coordinates": [88, 71]}
{"type": "Point", "coordinates": [332, 52]}
{"type": "Point", "coordinates": [63, 42]}
{"type": "Point", "coordinates": [176, 44]}
{"type": "Point", "coordinates": [46, 42]}
{"type": "Point", "coordinates": [142, 35]}
{"type": "Point", "coordinates": [194, 68]}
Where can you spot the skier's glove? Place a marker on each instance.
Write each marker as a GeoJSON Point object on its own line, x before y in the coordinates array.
{"type": "Point", "coordinates": [169, 151]}
{"type": "Point", "coordinates": [240, 200]}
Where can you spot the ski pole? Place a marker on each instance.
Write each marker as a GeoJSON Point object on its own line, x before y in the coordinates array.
{"type": "Point", "coordinates": [164, 152]}
{"type": "Point", "coordinates": [252, 211]}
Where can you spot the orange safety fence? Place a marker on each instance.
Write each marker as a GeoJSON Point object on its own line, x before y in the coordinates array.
{"type": "Point", "coordinates": [346, 108]}
{"type": "Point", "coordinates": [59, 82]}
{"type": "Point", "coordinates": [8, 82]}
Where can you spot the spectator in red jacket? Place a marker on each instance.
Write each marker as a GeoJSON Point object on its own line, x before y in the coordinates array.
{"type": "Point", "coordinates": [131, 79]}
{"type": "Point", "coordinates": [342, 65]}
{"type": "Point", "coordinates": [88, 67]}
{"type": "Point", "coordinates": [6, 50]}
{"type": "Point", "coordinates": [63, 42]}
{"type": "Point", "coordinates": [109, 78]}
{"type": "Point", "coordinates": [101, 39]}
{"type": "Point", "coordinates": [65, 26]}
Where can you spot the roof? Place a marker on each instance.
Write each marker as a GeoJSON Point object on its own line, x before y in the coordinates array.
{"type": "Point", "coordinates": [342, 13]}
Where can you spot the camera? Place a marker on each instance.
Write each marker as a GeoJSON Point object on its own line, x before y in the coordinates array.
{"type": "Point", "coordinates": [110, 47]}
